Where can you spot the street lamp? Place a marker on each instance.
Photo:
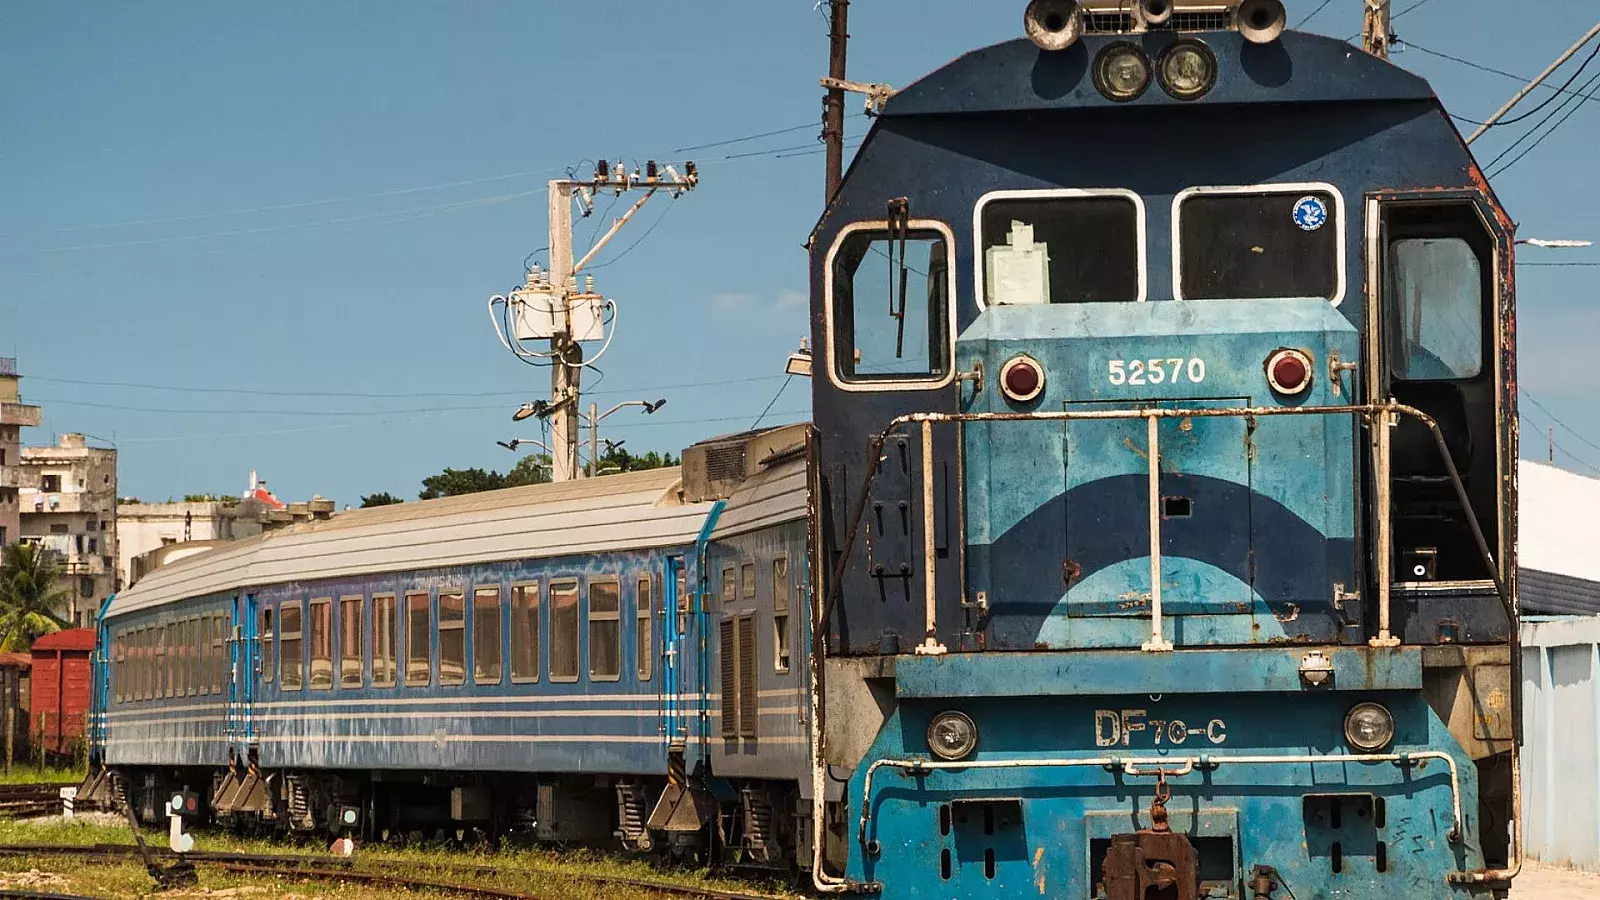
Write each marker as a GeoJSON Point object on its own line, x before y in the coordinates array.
{"type": "Point", "coordinates": [1554, 244]}
{"type": "Point", "coordinates": [596, 417]}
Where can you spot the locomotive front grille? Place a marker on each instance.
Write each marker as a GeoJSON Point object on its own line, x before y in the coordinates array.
{"type": "Point", "coordinates": [1126, 23]}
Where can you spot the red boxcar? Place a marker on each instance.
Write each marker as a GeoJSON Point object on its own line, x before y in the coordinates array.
{"type": "Point", "coordinates": [61, 685]}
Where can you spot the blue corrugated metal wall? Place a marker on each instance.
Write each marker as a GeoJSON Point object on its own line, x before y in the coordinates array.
{"type": "Point", "coordinates": [1561, 758]}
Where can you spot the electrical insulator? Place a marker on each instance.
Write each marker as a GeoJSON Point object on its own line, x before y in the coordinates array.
{"type": "Point", "coordinates": [600, 170]}
{"type": "Point", "coordinates": [689, 167]}
{"type": "Point", "coordinates": [650, 169]}
{"type": "Point", "coordinates": [588, 284]}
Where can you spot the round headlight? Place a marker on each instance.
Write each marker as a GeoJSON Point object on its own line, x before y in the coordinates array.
{"type": "Point", "coordinates": [1121, 71]}
{"type": "Point", "coordinates": [952, 736]}
{"type": "Point", "coordinates": [1368, 727]}
{"type": "Point", "coordinates": [1188, 70]}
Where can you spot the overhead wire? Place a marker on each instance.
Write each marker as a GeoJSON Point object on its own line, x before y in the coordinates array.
{"type": "Point", "coordinates": [344, 199]}
{"type": "Point", "coordinates": [1571, 106]}
{"type": "Point", "coordinates": [1314, 13]}
{"type": "Point", "coordinates": [257, 392]}
{"type": "Point", "coordinates": [1552, 417]}
{"type": "Point", "coordinates": [1412, 45]}
{"type": "Point", "coordinates": [1555, 96]}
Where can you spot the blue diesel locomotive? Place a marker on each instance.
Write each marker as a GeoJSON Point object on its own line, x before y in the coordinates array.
{"type": "Point", "coordinates": [1153, 540]}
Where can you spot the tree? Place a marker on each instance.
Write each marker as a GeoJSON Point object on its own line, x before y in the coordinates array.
{"type": "Point", "coordinates": [29, 595]}
{"type": "Point", "coordinates": [381, 498]}
{"type": "Point", "coordinates": [616, 459]}
{"type": "Point", "coordinates": [455, 482]}
{"type": "Point", "coordinates": [533, 469]}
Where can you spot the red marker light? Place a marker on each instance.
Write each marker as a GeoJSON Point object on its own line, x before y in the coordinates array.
{"type": "Point", "coordinates": [1021, 379]}
{"type": "Point", "coordinates": [1289, 371]}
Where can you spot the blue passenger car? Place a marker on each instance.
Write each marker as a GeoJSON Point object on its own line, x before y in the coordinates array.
{"type": "Point", "coordinates": [551, 660]}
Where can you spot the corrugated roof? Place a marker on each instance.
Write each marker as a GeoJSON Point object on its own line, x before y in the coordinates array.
{"type": "Point", "coordinates": [68, 639]}
{"type": "Point", "coordinates": [1556, 521]}
{"type": "Point", "coordinates": [636, 509]}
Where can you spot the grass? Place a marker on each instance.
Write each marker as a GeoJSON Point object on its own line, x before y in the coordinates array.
{"type": "Point", "coordinates": [546, 873]}
{"type": "Point", "coordinates": [26, 774]}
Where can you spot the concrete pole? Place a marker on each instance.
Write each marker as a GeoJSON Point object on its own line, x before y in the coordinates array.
{"type": "Point", "coordinates": [1375, 34]}
{"type": "Point", "coordinates": [594, 439]}
{"type": "Point", "coordinates": [566, 354]}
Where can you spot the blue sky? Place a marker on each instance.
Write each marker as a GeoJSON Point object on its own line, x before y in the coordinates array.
{"type": "Point", "coordinates": [305, 198]}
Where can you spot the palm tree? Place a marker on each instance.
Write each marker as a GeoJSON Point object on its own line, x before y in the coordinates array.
{"type": "Point", "coordinates": [29, 595]}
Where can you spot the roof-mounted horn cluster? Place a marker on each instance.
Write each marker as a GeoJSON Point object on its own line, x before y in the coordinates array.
{"type": "Point", "coordinates": [1057, 24]}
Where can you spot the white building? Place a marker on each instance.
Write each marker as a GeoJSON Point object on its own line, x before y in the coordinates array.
{"type": "Point", "coordinates": [70, 508]}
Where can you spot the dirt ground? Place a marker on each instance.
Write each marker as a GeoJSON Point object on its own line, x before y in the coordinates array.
{"type": "Point", "coordinates": [1542, 882]}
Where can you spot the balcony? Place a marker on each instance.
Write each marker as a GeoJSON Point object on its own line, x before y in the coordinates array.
{"type": "Point", "coordinates": [19, 414]}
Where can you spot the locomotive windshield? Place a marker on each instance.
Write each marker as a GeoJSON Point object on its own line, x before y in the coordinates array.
{"type": "Point", "coordinates": [1062, 249]}
{"type": "Point", "coordinates": [1249, 246]}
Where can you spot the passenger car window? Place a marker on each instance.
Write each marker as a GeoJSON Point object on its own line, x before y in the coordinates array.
{"type": "Point", "coordinates": [605, 631]}
{"type": "Point", "coordinates": [452, 637]}
{"type": "Point", "coordinates": [1259, 245]}
{"type": "Point", "coordinates": [525, 632]}
{"type": "Point", "coordinates": [321, 615]}
{"type": "Point", "coordinates": [350, 641]}
{"type": "Point", "coordinates": [643, 640]}
{"type": "Point", "coordinates": [384, 663]}
{"type": "Point", "coordinates": [1437, 290]}
{"type": "Point", "coordinates": [291, 663]}
{"type": "Point", "coordinates": [268, 645]}
{"type": "Point", "coordinates": [564, 631]}
{"type": "Point", "coordinates": [419, 633]}
{"type": "Point", "coordinates": [780, 615]}
{"type": "Point", "coordinates": [486, 635]}
{"type": "Point", "coordinates": [1062, 249]}
{"type": "Point", "coordinates": [890, 306]}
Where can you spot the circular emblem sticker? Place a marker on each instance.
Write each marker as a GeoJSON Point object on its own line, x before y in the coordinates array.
{"type": "Point", "coordinates": [1310, 213]}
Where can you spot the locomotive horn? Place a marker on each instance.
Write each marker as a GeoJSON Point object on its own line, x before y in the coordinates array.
{"type": "Point", "coordinates": [1153, 12]}
{"type": "Point", "coordinates": [1260, 21]}
{"type": "Point", "coordinates": [1053, 24]}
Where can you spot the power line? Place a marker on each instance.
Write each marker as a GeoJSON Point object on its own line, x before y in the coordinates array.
{"type": "Point", "coordinates": [1314, 13]}
{"type": "Point", "coordinates": [1470, 64]}
{"type": "Point", "coordinates": [1555, 446]}
{"type": "Point", "coordinates": [163, 439]}
{"type": "Point", "coordinates": [1568, 428]}
{"type": "Point", "coordinates": [771, 403]}
{"type": "Point", "coordinates": [256, 392]}
{"type": "Point", "coordinates": [394, 192]}
{"type": "Point", "coordinates": [264, 229]}
{"type": "Point", "coordinates": [1559, 265]}
{"type": "Point", "coordinates": [1553, 97]}
{"type": "Point", "coordinates": [1574, 107]}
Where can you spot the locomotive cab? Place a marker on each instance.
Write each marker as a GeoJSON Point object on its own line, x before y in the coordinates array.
{"type": "Point", "coordinates": [1164, 448]}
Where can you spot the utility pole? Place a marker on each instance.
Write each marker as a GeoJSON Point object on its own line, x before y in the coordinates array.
{"type": "Point", "coordinates": [1375, 33]}
{"type": "Point", "coordinates": [551, 306]}
{"type": "Point", "coordinates": [566, 355]}
{"type": "Point", "coordinates": [833, 102]}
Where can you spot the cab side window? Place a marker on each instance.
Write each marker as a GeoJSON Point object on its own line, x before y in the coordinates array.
{"type": "Point", "coordinates": [1437, 290]}
{"type": "Point", "coordinates": [890, 306]}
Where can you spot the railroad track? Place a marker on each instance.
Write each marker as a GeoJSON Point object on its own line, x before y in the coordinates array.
{"type": "Point", "coordinates": [27, 800]}
{"type": "Point", "coordinates": [321, 868]}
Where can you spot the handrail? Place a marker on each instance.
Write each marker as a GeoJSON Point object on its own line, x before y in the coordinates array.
{"type": "Point", "coordinates": [1386, 414]}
